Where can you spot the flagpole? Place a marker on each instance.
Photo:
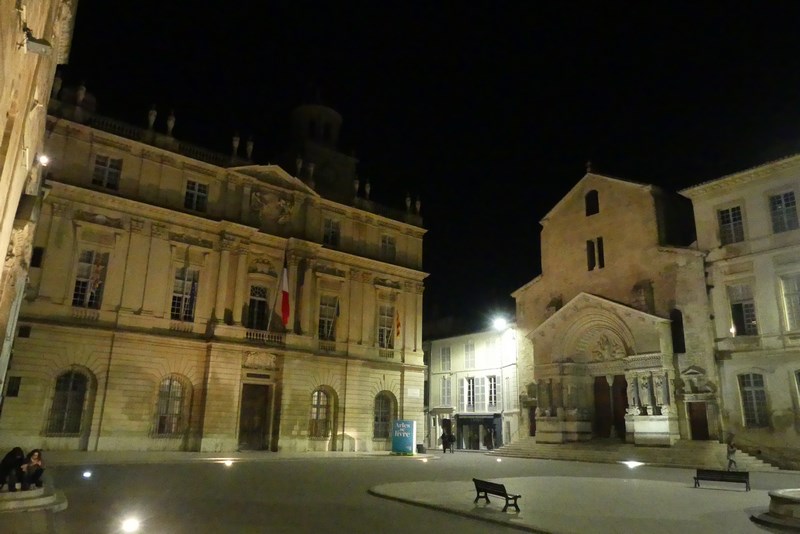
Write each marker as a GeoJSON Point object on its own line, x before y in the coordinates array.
{"type": "Point", "coordinates": [278, 287]}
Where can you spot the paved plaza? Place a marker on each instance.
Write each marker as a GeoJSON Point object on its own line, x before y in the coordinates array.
{"type": "Point", "coordinates": [343, 492]}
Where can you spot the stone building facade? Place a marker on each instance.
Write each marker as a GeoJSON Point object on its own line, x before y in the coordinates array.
{"type": "Point", "coordinates": [618, 321]}
{"type": "Point", "coordinates": [154, 319]}
{"type": "Point", "coordinates": [473, 388]}
{"type": "Point", "coordinates": [34, 38]}
{"type": "Point", "coordinates": [747, 223]}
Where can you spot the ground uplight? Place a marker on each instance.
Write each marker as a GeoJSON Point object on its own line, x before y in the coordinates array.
{"type": "Point", "coordinates": [130, 524]}
{"type": "Point", "coordinates": [87, 474]}
{"type": "Point", "coordinates": [632, 464]}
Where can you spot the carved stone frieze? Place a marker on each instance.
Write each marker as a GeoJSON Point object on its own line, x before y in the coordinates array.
{"type": "Point", "coordinates": [191, 240]}
{"type": "Point", "coordinates": [385, 282]}
{"type": "Point", "coordinates": [259, 360]}
{"type": "Point", "coordinates": [137, 226]}
{"type": "Point", "coordinates": [262, 265]}
{"type": "Point", "coordinates": [97, 218]}
{"type": "Point", "coordinates": [158, 231]}
{"type": "Point", "coordinates": [271, 207]}
{"type": "Point", "coordinates": [227, 243]}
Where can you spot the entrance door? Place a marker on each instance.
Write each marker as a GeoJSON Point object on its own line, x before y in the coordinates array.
{"type": "Point", "coordinates": [620, 392]}
{"type": "Point", "coordinates": [602, 408]}
{"type": "Point", "coordinates": [254, 417]}
{"type": "Point", "coordinates": [532, 421]}
{"type": "Point", "coordinates": [698, 420]}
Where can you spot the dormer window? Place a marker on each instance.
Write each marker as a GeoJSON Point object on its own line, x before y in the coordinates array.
{"type": "Point", "coordinates": [330, 233]}
{"type": "Point", "coordinates": [592, 203]}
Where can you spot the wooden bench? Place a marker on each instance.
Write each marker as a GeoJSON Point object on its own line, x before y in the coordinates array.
{"type": "Point", "coordinates": [715, 475]}
{"type": "Point", "coordinates": [483, 488]}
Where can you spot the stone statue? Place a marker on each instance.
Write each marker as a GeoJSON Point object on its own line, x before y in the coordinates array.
{"type": "Point", "coordinates": [271, 207]}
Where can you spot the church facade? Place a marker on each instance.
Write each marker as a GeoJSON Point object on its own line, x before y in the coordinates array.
{"type": "Point", "coordinates": [179, 300]}
{"type": "Point", "coordinates": [618, 321]}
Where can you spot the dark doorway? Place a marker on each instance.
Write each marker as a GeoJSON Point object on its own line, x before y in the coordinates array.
{"type": "Point", "coordinates": [602, 408]}
{"type": "Point", "coordinates": [254, 417]}
{"type": "Point", "coordinates": [620, 392]}
{"type": "Point", "coordinates": [698, 420]}
{"type": "Point", "coordinates": [532, 421]}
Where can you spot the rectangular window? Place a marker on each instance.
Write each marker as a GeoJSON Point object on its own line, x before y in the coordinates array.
{"type": "Point", "coordinates": [783, 210]}
{"type": "Point", "coordinates": [492, 392]}
{"type": "Point", "coordinates": [196, 198]}
{"type": "Point", "coordinates": [731, 225]}
{"type": "Point", "coordinates": [469, 394]}
{"type": "Point", "coordinates": [328, 311]}
{"type": "Point", "coordinates": [469, 355]}
{"type": "Point", "coordinates": [601, 260]}
{"type": "Point", "coordinates": [791, 300]}
{"type": "Point", "coordinates": [591, 262]}
{"type": "Point", "coordinates": [480, 393]}
{"type": "Point", "coordinates": [184, 294]}
{"type": "Point", "coordinates": [445, 358]}
{"type": "Point", "coordinates": [107, 172]}
{"type": "Point", "coordinates": [743, 310]}
{"type": "Point", "coordinates": [330, 233]}
{"type": "Point", "coordinates": [754, 400]}
{"type": "Point", "coordinates": [258, 308]}
{"type": "Point", "coordinates": [386, 327]}
{"type": "Point", "coordinates": [14, 382]}
{"type": "Point", "coordinates": [447, 400]}
{"type": "Point", "coordinates": [36, 256]}
{"type": "Point", "coordinates": [388, 248]}
{"type": "Point", "coordinates": [89, 279]}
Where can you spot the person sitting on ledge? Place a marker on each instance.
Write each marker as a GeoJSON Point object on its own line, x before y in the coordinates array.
{"type": "Point", "coordinates": [11, 468]}
{"type": "Point", "coordinates": [33, 470]}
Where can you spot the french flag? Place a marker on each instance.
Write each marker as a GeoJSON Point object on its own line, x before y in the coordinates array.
{"type": "Point", "coordinates": [285, 295]}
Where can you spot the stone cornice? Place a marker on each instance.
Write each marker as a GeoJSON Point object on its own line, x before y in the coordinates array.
{"type": "Point", "coordinates": [732, 181]}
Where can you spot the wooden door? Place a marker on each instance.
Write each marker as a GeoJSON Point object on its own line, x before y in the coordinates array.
{"type": "Point", "coordinates": [698, 420]}
{"type": "Point", "coordinates": [254, 417]}
{"type": "Point", "coordinates": [602, 408]}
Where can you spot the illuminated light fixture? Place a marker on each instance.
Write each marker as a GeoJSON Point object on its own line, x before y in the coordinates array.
{"type": "Point", "coordinates": [130, 524]}
{"type": "Point", "coordinates": [228, 463]}
{"type": "Point", "coordinates": [36, 46]}
{"type": "Point", "coordinates": [424, 460]}
{"type": "Point", "coordinates": [733, 330]}
{"type": "Point", "coordinates": [499, 459]}
{"type": "Point", "coordinates": [87, 474]}
{"type": "Point", "coordinates": [43, 159]}
{"type": "Point", "coordinates": [500, 324]}
{"type": "Point", "coordinates": [632, 464]}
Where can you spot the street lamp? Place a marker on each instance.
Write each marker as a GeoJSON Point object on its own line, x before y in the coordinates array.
{"type": "Point", "coordinates": [500, 324]}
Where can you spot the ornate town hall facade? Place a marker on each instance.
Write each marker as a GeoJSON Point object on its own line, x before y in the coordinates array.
{"type": "Point", "coordinates": [153, 317]}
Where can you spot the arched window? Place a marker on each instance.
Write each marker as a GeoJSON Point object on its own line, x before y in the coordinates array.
{"type": "Point", "coordinates": [172, 397]}
{"type": "Point", "coordinates": [319, 425]}
{"type": "Point", "coordinates": [66, 413]}
{"type": "Point", "coordinates": [592, 203]}
{"type": "Point", "coordinates": [754, 400]}
{"type": "Point", "coordinates": [383, 416]}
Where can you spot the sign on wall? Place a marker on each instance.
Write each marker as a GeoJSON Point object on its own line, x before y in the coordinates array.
{"type": "Point", "coordinates": [404, 436]}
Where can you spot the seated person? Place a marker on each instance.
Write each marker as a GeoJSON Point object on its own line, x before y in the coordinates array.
{"type": "Point", "coordinates": [32, 470]}
{"type": "Point", "coordinates": [11, 468]}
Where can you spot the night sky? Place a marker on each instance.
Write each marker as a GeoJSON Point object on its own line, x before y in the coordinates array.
{"type": "Point", "coordinates": [486, 110]}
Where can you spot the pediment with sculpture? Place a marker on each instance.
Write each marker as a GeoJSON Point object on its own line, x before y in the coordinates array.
{"type": "Point", "coordinates": [259, 360]}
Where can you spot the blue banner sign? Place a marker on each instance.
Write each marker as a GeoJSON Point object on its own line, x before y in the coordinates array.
{"type": "Point", "coordinates": [404, 436]}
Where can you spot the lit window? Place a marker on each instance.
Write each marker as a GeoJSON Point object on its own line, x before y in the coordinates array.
{"type": "Point", "coordinates": [480, 393]}
{"type": "Point", "coordinates": [492, 392]}
{"type": "Point", "coordinates": [791, 300]}
{"type": "Point", "coordinates": [386, 327]}
{"type": "Point", "coordinates": [184, 294]}
{"type": "Point", "coordinates": [783, 210]}
{"type": "Point", "coordinates": [169, 416]}
{"type": "Point", "coordinates": [66, 412]}
{"type": "Point", "coordinates": [89, 279]}
{"type": "Point", "coordinates": [446, 399]}
{"type": "Point", "coordinates": [731, 225]}
{"type": "Point", "coordinates": [754, 400]}
{"type": "Point", "coordinates": [469, 355]}
{"type": "Point", "coordinates": [469, 393]}
{"type": "Point", "coordinates": [107, 172]}
{"type": "Point", "coordinates": [388, 248]}
{"type": "Point", "coordinates": [330, 233]}
{"type": "Point", "coordinates": [383, 416]}
{"type": "Point", "coordinates": [743, 310]}
{"type": "Point", "coordinates": [196, 197]}
{"type": "Point", "coordinates": [257, 310]}
{"type": "Point", "coordinates": [328, 313]}
{"type": "Point", "coordinates": [445, 358]}
{"type": "Point", "coordinates": [319, 425]}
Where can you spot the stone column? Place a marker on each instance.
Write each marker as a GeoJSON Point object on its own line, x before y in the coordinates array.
{"type": "Point", "coordinates": [610, 382]}
{"type": "Point", "coordinates": [241, 282]}
{"type": "Point", "coordinates": [222, 278]}
{"type": "Point", "coordinates": [418, 318]}
{"type": "Point", "coordinates": [293, 288]}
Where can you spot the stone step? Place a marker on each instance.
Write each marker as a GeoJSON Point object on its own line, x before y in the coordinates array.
{"type": "Point", "coordinates": [32, 500]}
{"type": "Point", "coordinates": [706, 454]}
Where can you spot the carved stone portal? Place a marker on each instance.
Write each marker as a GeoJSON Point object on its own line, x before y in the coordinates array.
{"type": "Point", "coordinates": [259, 360]}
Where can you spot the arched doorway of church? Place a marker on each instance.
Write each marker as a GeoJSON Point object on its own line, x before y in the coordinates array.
{"type": "Point", "coordinates": [610, 405]}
